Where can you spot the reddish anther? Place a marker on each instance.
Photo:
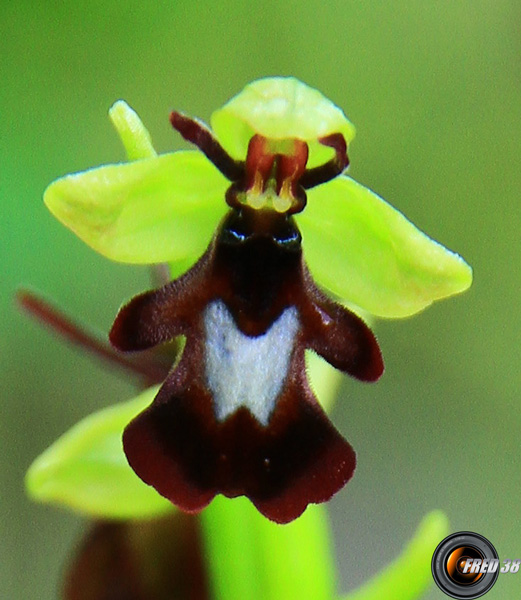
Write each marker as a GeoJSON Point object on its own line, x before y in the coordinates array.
{"type": "Point", "coordinates": [290, 168]}
{"type": "Point", "coordinates": [259, 162]}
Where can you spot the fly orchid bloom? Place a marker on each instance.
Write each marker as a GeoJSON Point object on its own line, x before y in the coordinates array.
{"type": "Point", "coordinates": [236, 414]}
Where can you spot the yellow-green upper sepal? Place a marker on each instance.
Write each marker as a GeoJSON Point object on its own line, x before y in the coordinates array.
{"type": "Point", "coordinates": [280, 108]}
{"type": "Point", "coordinates": [367, 252]}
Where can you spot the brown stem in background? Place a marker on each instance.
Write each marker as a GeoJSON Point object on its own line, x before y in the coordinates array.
{"type": "Point", "coordinates": [147, 366]}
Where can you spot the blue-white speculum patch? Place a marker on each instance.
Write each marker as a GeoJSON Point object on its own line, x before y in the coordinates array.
{"type": "Point", "coordinates": [246, 371]}
{"type": "Point", "coordinates": [237, 416]}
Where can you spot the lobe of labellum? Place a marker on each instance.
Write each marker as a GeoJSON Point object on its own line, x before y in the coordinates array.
{"type": "Point", "coordinates": [341, 337]}
{"type": "Point", "coordinates": [146, 321]}
{"type": "Point", "coordinates": [178, 446]}
{"type": "Point", "coordinates": [157, 316]}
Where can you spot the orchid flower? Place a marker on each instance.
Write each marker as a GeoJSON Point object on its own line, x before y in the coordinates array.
{"type": "Point", "coordinates": [236, 415]}
{"type": "Point", "coordinates": [271, 175]}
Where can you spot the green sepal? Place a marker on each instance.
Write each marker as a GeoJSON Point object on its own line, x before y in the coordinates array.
{"type": "Point", "coordinates": [133, 134]}
{"type": "Point", "coordinates": [86, 469]}
{"type": "Point", "coordinates": [409, 576]}
{"type": "Point", "coordinates": [366, 252]}
{"type": "Point", "coordinates": [280, 108]}
{"type": "Point", "coordinates": [147, 211]}
{"type": "Point", "coordinates": [251, 557]}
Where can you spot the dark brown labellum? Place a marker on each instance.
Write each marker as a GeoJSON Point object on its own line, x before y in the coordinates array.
{"type": "Point", "coordinates": [237, 416]}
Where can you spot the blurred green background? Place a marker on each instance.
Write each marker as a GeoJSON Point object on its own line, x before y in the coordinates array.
{"type": "Point", "coordinates": [434, 89]}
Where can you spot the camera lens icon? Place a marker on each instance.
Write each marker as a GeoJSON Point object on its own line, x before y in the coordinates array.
{"type": "Point", "coordinates": [463, 565]}
{"type": "Point", "coordinates": [457, 568]}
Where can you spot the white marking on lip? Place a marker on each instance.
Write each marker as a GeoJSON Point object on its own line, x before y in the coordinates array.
{"type": "Point", "coordinates": [243, 370]}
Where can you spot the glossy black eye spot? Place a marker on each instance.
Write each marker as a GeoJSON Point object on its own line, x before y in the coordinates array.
{"type": "Point", "coordinates": [230, 235]}
{"type": "Point", "coordinates": [290, 241]}
{"type": "Point", "coordinates": [234, 228]}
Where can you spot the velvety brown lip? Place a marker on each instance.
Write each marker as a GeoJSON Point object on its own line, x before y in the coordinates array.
{"type": "Point", "coordinates": [254, 267]}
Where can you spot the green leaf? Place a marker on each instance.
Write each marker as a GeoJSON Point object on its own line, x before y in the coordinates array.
{"type": "Point", "coordinates": [280, 108]}
{"type": "Point", "coordinates": [368, 253]}
{"type": "Point", "coordinates": [251, 557]}
{"type": "Point", "coordinates": [134, 135]}
{"type": "Point", "coordinates": [409, 576]}
{"type": "Point", "coordinates": [152, 210]}
{"type": "Point", "coordinates": [86, 469]}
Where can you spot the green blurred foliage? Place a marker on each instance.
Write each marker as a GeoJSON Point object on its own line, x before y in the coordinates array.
{"type": "Point", "coordinates": [434, 89]}
{"type": "Point", "coordinates": [87, 471]}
